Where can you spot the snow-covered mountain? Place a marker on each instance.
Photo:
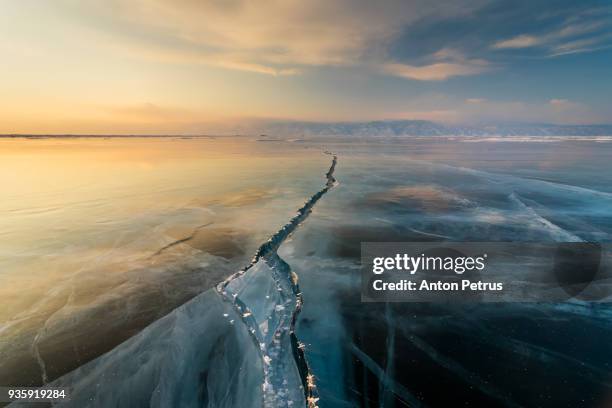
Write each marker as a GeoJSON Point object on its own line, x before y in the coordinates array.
{"type": "Point", "coordinates": [427, 128]}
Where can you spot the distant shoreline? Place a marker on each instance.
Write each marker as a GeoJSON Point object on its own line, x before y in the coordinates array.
{"type": "Point", "coordinates": [274, 138]}
{"type": "Point", "coordinates": [72, 136]}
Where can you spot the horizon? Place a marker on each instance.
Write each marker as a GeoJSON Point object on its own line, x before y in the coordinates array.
{"type": "Point", "coordinates": [267, 129]}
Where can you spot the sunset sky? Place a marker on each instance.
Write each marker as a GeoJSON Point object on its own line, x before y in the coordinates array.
{"type": "Point", "coordinates": [187, 66]}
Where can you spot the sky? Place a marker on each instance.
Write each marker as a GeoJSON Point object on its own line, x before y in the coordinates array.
{"type": "Point", "coordinates": [195, 66]}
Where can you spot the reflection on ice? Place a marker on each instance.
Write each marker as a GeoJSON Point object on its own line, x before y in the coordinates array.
{"type": "Point", "coordinates": [102, 237]}
{"type": "Point", "coordinates": [264, 300]}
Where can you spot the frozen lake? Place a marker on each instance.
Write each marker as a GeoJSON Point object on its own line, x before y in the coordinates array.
{"type": "Point", "coordinates": [103, 237]}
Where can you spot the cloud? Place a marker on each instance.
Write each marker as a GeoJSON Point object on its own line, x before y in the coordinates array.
{"type": "Point", "coordinates": [521, 41]}
{"type": "Point", "coordinates": [437, 71]}
{"type": "Point", "coordinates": [257, 68]}
{"type": "Point", "coordinates": [272, 37]}
{"type": "Point", "coordinates": [475, 100]}
{"type": "Point", "coordinates": [577, 34]}
{"type": "Point", "coordinates": [559, 102]}
{"type": "Point", "coordinates": [281, 38]}
{"type": "Point", "coordinates": [580, 46]}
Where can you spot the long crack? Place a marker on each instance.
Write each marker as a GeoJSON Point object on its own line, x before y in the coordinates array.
{"type": "Point", "coordinates": [284, 317]}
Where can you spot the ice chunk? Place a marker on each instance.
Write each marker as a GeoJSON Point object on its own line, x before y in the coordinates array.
{"type": "Point", "coordinates": [189, 358]}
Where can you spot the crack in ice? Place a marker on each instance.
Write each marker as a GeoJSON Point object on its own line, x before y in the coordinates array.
{"type": "Point", "coordinates": [39, 360]}
{"type": "Point", "coordinates": [278, 344]}
{"type": "Point", "coordinates": [182, 240]}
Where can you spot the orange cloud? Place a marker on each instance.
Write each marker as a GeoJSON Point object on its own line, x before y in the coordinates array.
{"type": "Point", "coordinates": [436, 72]}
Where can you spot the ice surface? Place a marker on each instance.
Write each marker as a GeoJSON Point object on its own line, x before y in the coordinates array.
{"type": "Point", "coordinates": [549, 355]}
{"type": "Point", "coordinates": [242, 344]}
{"type": "Point", "coordinates": [240, 352]}
{"type": "Point", "coordinates": [192, 357]}
{"type": "Point", "coordinates": [265, 299]}
{"type": "Point", "coordinates": [99, 238]}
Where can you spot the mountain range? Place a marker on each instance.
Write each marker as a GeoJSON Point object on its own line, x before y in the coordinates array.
{"type": "Point", "coordinates": [427, 128]}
